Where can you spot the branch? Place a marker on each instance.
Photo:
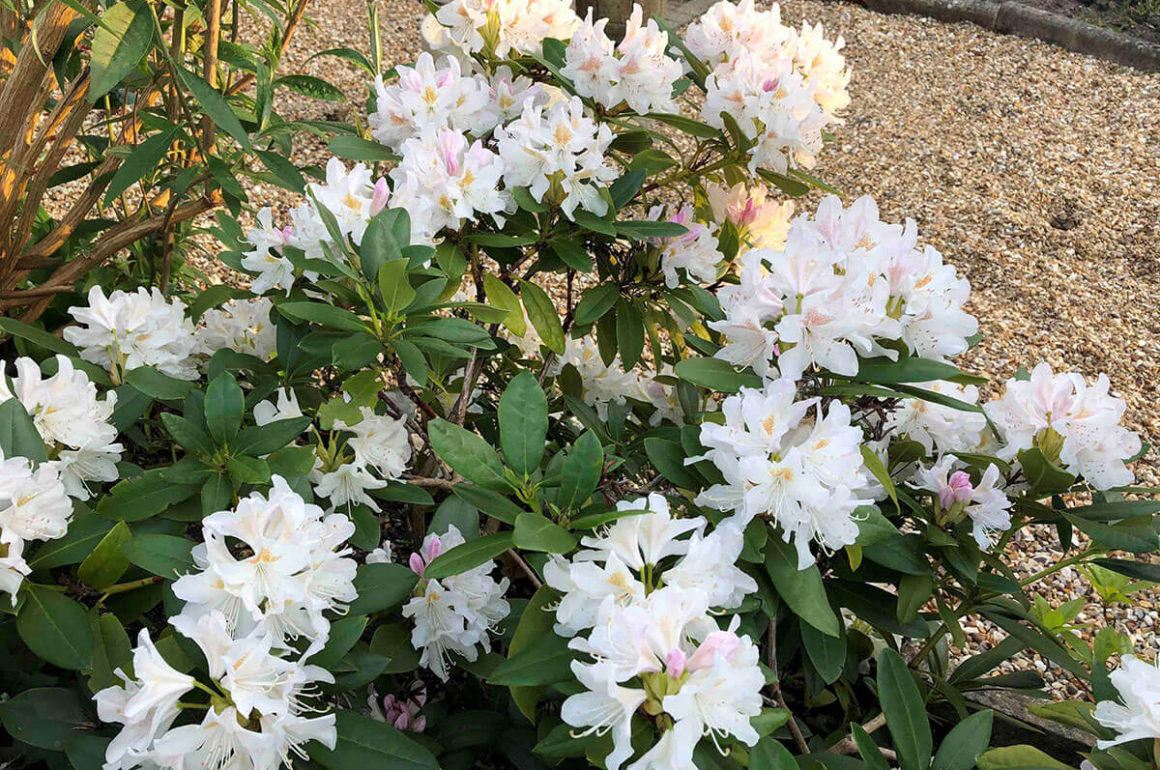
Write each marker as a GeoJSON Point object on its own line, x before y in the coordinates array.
{"type": "Point", "coordinates": [794, 730]}
{"type": "Point", "coordinates": [847, 744]}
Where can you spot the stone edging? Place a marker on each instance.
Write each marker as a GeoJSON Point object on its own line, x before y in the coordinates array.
{"type": "Point", "coordinates": [1006, 17]}
{"type": "Point", "coordinates": [1017, 19]}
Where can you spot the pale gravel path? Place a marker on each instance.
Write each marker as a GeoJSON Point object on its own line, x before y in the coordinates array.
{"type": "Point", "coordinates": [1035, 171]}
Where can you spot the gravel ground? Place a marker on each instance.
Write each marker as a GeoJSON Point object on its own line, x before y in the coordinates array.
{"type": "Point", "coordinates": [1034, 170]}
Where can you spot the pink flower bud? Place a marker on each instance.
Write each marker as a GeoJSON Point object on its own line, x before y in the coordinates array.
{"type": "Point", "coordinates": [419, 725]}
{"type": "Point", "coordinates": [433, 549]}
{"type": "Point", "coordinates": [379, 197]}
{"type": "Point", "coordinates": [416, 564]}
{"type": "Point", "coordinates": [957, 490]}
{"type": "Point", "coordinates": [675, 662]}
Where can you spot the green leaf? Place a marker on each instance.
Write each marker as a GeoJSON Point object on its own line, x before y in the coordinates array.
{"type": "Point", "coordinates": [350, 55]}
{"type": "Point", "coordinates": [535, 622]}
{"type": "Point", "coordinates": [248, 470]}
{"type": "Point", "coordinates": [500, 294]}
{"type": "Point", "coordinates": [144, 158]}
{"type": "Point", "coordinates": [120, 41]}
{"type": "Point", "coordinates": [18, 434]}
{"type": "Point", "coordinates": [38, 337]}
{"type": "Point", "coordinates": [769, 754]}
{"type": "Point", "coordinates": [827, 653]}
{"type": "Point", "coordinates": [365, 743]}
{"type": "Point", "coordinates": [457, 512]}
{"type": "Point", "coordinates": [344, 634]}
{"type": "Point", "coordinates": [965, 743]}
{"type": "Point", "coordinates": [868, 748]}
{"type": "Point", "coordinates": [546, 660]}
{"type": "Point", "coordinates": [523, 423]}
{"type": "Point", "coordinates": [468, 555]}
{"type": "Point", "coordinates": [269, 438]}
{"type": "Point", "coordinates": [157, 385]}
{"type": "Point", "coordinates": [1042, 474]}
{"type": "Point", "coordinates": [468, 455]}
{"type": "Point", "coordinates": [387, 235]}
{"type": "Point", "coordinates": [315, 88]}
{"type": "Point", "coordinates": [492, 503]}
{"type": "Point", "coordinates": [320, 313]}
{"type": "Point", "coordinates": [44, 717]}
{"type": "Point", "coordinates": [874, 464]}
{"type": "Point", "coordinates": [163, 555]}
{"type": "Point", "coordinates": [1133, 535]}
{"type": "Point", "coordinates": [534, 532]}
{"type": "Point", "coordinates": [106, 563]}
{"type": "Point", "coordinates": [55, 628]}
{"type": "Point", "coordinates": [642, 229]}
{"type": "Point", "coordinates": [214, 105]}
{"type": "Point", "coordinates": [595, 302]}
{"type": "Point", "coordinates": [357, 148]}
{"type": "Point", "coordinates": [580, 472]}
{"type": "Point", "coordinates": [381, 587]}
{"type": "Point", "coordinates": [905, 711]}
{"type": "Point", "coordinates": [1137, 570]}
{"type": "Point", "coordinates": [141, 497]}
{"type": "Point", "coordinates": [1018, 758]}
{"type": "Point", "coordinates": [285, 172]}
{"type": "Point", "coordinates": [669, 459]}
{"type": "Point", "coordinates": [802, 590]}
{"type": "Point", "coordinates": [882, 371]}
{"type": "Point", "coordinates": [572, 254]}
{"type": "Point", "coordinates": [111, 650]}
{"type": "Point", "coordinates": [715, 374]}
{"type": "Point", "coordinates": [225, 405]}
{"type": "Point", "coordinates": [542, 313]}
{"type": "Point", "coordinates": [629, 333]}
{"type": "Point", "coordinates": [187, 433]}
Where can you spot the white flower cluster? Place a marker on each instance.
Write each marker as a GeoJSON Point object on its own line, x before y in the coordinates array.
{"type": "Point", "coordinates": [241, 326]}
{"type": "Point", "coordinates": [803, 471]}
{"type": "Point", "coordinates": [559, 152]}
{"type": "Point", "coordinates": [844, 282]}
{"type": "Point", "coordinates": [1138, 684]}
{"type": "Point", "coordinates": [295, 570]}
{"type": "Point", "coordinates": [243, 610]}
{"type": "Point", "coordinates": [695, 252]}
{"type": "Point", "coordinates": [1069, 420]}
{"type": "Point", "coordinates": [382, 449]}
{"type": "Point", "coordinates": [781, 87]}
{"type": "Point", "coordinates": [127, 330]}
{"type": "Point", "coordinates": [33, 506]}
{"type": "Point", "coordinates": [637, 72]}
{"type": "Point", "coordinates": [254, 718]}
{"type": "Point", "coordinates": [73, 422]}
{"type": "Point", "coordinates": [352, 197]}
{"type": "Point", "coordinates": [643, 592]}
{"type": "Point", "coordinates": [444, 179]}
{"type": "Point", "coordinates": [499, 27]}
{"type": "Point", "coordinates": [456, 614]}
{"type": "Point", "coordinates": [441, 95]}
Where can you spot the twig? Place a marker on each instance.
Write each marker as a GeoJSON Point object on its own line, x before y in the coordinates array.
{"type": "Point", "coordinates": [794, 730]}
{"type": "Point", "coordinates": [847, 744]}
{"type": "Point", "coordinates": [424, 481]}
{"type": "Point", "coordinates": [523, 565]}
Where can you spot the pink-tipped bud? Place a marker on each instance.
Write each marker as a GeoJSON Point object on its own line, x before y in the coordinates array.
{"type": "Point", "coordinates": [419, 725]}
{"type": "Point", "coordinates": [957, 490]}
{"type": "Point", "coordinates": [721, 643]}
{"type": "Point", "coordinates": [403, 721]}
{"type": "Point", "coordinates": [433, 549]}
{"type": "Point", "coordinates": [416, 564]}
{"type": "Point", "coordinates": [379, 197]}
{"type": "Point", "coordinates": [675, 663]}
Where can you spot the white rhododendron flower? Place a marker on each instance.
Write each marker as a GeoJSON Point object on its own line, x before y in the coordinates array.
{"type": "Point", "coordinates": [844, 283]}
{"type": "Point", "coordinates": [789, 460]}
{"type": "Point", "coordinates": [76, 426]}
{"type": "Point", "coordinates": [445, 179]}
{"type": "Point", "coordinates": [127, 330]}
{"type": "Point", "coordinates": [283, 407]}
{"type": "Point", "coordinates": [428, 94]}
{"type": "Point", "coordinates": [456, 614]}
{"type": "Point", "coordinates": [1138, 684]}
{"type": "Point", "coordinates": [650, 637]}
{"type": "Point", "coordinates": [255, 717]}
{"type": "Point", "coordinates": [694, 252]}
{"type": "Point", "coordinates": [502, 27]}
{"type": "Point", "coordinates": [243, 326]}
{"type": "Point", "coordinates": [637, 71]}
{"type": "Point", "coordinates": [297, 570]}
{"type": "Point", "coordinates": [938, 427]}
{"type": "Point", "coordinates": [602, 384]}
{"type": "Point", "coordinates": [34, 505]}
{"type": "Point", "coordinates": [1071, 421]}
{"type": "Point", "coordinates": [380, 442]}
{"type": "Point", "coordinates": [558, 152]}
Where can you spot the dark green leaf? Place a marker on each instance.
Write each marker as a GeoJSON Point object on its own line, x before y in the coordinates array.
{"type": "Point", "coordinates": [802, 590]}
{"type": "Point", "coordinates": [523, 423]}
{"type": "Point", "coordinates": [580, 472]}
{"type": "Point", "coordinates": [905, 711]}
{"type": "Point", "coordinates": [120, 41]}
{"type": "Point", "coordinates": [542, 313]}
{"type": "Point", "coordinates": [18, 434]}
{"type": "Point", "coordinates": [214, 105]}
{"type": "Point", "coordinates": [163, 555]}
{"type": "Point", "coordinates": [468, 454]}
{"type": "Point", "coordinates": [144, 158]}
{"type": "Point", "coordinates": [45, 717]}
{"type": "Point", "coordinates": [534, 532]}
{"type": "Point", "coordinates": [468, 555]}
{"type": "Point", "coordinates": [546, 660]}
{"type": "Point", "coordinates": [55, 628]}
{"type": "Point", "coordinates": [965, 743]}
{"type": "Point", "coordinates": [715, 374]}
{"type": "Point", "coordinates": [225, 405]}
{"type": "Point", "coordinates": [381, 587]}
{"type": "Point", "coordinates": [367, 743]}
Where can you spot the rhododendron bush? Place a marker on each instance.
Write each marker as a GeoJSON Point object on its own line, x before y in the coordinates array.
{"type": "Point", "coordinates": [551, 432]}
